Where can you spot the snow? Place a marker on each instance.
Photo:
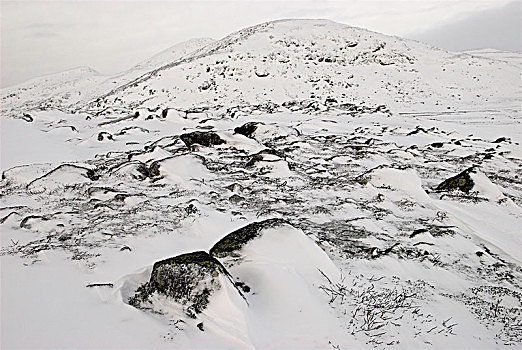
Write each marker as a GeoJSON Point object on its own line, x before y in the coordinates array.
{"type": "Point", "coordinates": [22, 143]}
{"type": "Point", "coordinates": [413, 267]}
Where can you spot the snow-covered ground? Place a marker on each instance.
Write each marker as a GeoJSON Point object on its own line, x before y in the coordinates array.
{"type": "Point", "coordinates": [345, 134]}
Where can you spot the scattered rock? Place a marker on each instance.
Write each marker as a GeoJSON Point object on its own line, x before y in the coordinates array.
{"type": "Point", "coordinates": [262, 74]}
{"type": "Point", "coordinates": [243, 287]}
{"type": "Point", "coordinates": [27, 118]}
{"type": "Point", "coordinates": [154, 169]}
{"type": "Point", "coordinates": [191, 209]}
{"type": "Point", "coordinates": [164, 113]}
{"type": "Point", "coordinates": [107, 135]}
{"type": "Point", "coordinates": [247, 129]}
{"type": "Point", "coordinates": [418, 232]}
{"type": "Point", "coordinates": [462, 182]}
{"type": "Point", "coordinates": [206, 139]}
{"type": "Point", "coordinates": [259, 156]}
{"type": "Point", "coordinates": [235, 198]}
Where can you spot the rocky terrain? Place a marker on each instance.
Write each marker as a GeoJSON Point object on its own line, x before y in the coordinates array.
{"type": "Point", "coordinates": [297, 184]}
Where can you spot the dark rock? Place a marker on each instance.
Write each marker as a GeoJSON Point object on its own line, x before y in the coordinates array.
{"type": "Point", "coordinates": [188, 279]}
{"type": "Point", "coordinates": [500, 139]}
{"type": "Point", "coordinates": [461, 182]}
{"type": "Point", "coordinates": [27, 118]}
{"type": "Point", "coordinates": [262, 74]}
{"type": "Point", "coordinates": [235, 198]}
{"type": "Point", "coordinates": [255, 158]}
{"type": "Point", "coordinates": [437, 144]}
{"type": "Point", "coordinates": [25, 221]}
{"type": "Point", "coordinates": [237, 239]}
{"type": "Point", "coordinates": [330, 101]}
{"type": "Point", "coordinates": [92, 175]}
{"type": "Point", "coordinates": [200, 326]}
{"type": "Point", "coordinates": [154, 169]}
{"type": "Point", "coordinates": [247, 129]}
{"type": "Point", "coordinates": [243, 287]}
{"type": "Point", "coordinates": [417, 130]}
{"type": "Point", "coordinates": [107, 135]}
{"type": "Point", "coordinates": [259, 156]}
{"type": "Point", "coordinates": [191, 209]}
{"type": "Point", "coordinates": [418, 232]}
{"type": "Point", "coordinates": [206, 139]}
{"type": "Point", "coordinates": [164, 113]}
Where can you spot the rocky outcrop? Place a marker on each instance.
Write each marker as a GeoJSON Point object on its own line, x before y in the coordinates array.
{"type": "Point", "coordinates": [206, 139]}
{"type": "Point", "coordinates": [188, 279]}
{"type": "Point", "coordinates": [247, 129]}
{"type": "Point", "coordinates": [462, 182]}
{"type": "Point", "coordinates": [236, 240]}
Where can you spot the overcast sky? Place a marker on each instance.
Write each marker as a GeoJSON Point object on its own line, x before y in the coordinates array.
{"type": "Point", "coordinates": [46, 37]}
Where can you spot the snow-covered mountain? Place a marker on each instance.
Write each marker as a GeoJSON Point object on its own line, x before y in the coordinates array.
{"type": "Point", "coordinates": [297, 184]}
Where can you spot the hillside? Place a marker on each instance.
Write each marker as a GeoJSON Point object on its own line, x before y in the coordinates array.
{"type": "Point", "coordinates": [297, 184]}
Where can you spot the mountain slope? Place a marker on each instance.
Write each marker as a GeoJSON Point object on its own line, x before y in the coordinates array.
{"type": "Point", "coordinates": [63, 90]}
{"type": "Point", "coordinates": [317, 59]}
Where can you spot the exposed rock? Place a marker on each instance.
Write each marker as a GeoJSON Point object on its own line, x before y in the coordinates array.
{"type": "Point", "coordinates": [188, 279]}
{"type": "Point", "coordinates": [154, 169]}
{"type": "Point", "coordinates": [237, 239]}
{"type": "Point", "coordinates": [462, 182]}
{"type": "Point", "coordinates": [262, 74]}
{"type": "Point", "coordinates": [27, 118]}
{"type": "Point", "coordinates": [164, 113]}
{"type": "Point", "coordinates": [107, 135]}
{"type": "Point", "coordinates": [206, 139]}
{"type": "Point", "coordinates": [247, 129]}
{"type": "Point", "coordinates": [259, 156]}
{"type": "Point", "coordinates": [255, 158]}
{"type": "Point", "coordinates": [235, 198]}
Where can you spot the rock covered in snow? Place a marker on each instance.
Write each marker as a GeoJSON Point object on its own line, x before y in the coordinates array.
{"type": "Point", "coordinates": [188, 279]}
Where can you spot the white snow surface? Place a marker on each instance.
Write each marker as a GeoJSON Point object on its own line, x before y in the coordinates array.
{"type": "Point", "coordinates": [355, 131]}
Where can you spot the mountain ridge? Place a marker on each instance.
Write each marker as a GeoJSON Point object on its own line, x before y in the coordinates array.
{"type": "Point", "coordinates": [389, 51]}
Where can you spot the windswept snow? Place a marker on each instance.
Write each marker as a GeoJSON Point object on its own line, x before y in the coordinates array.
{"type": "Point", "coordinates": [345, 135]}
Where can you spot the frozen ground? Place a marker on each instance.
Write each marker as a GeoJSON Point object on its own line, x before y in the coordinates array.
{"type": "Point", "coordinates": [346, 134]}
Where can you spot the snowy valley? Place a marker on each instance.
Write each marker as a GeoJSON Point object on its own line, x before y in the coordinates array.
{"type": "Point", "coordinates": [299, 184]}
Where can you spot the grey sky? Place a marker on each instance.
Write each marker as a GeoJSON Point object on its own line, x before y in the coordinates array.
{"type": "Point", "coordinates": [42, 37]}
{"type": "Point", "coordinates": [497, 28]}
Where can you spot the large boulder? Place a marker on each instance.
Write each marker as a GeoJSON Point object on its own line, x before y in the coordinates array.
{"type": "Point", "coordinates": [462, 182]}
{"type": "Point", "coordinates": [188, 279]}
{"type": "Point", "coordinates": [247, 129]}
{"type": "Point", "coordinates": [234, 241]}
{"type": "Point", "coordinates": [279, 269]}
{"type": "Point", "coordinates": [206, 139]}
